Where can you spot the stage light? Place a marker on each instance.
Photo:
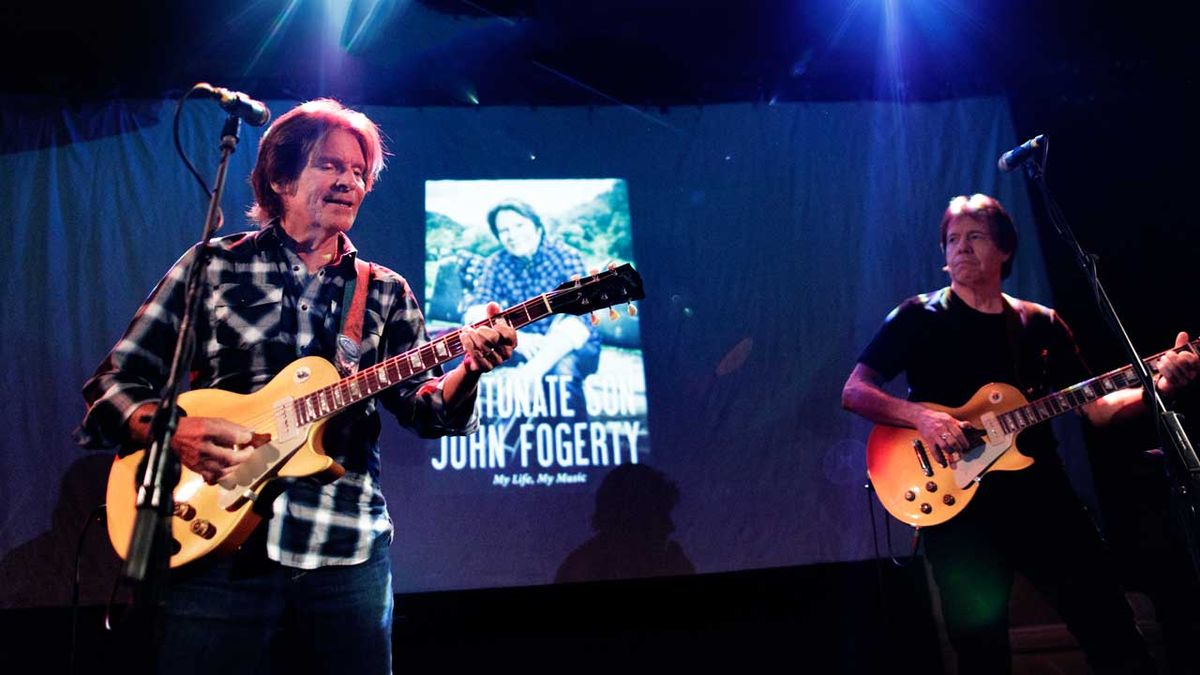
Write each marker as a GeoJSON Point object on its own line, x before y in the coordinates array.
{"type": "Point", "coordinates": [892, 54]}
{"type": "Point", "coordinates": [358, 21]}
{"type": "Point", "coordinates": [277, 25]}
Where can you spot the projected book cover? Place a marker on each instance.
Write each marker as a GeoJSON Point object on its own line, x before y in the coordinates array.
{"type": "Point", "coordinates": [571, 403]}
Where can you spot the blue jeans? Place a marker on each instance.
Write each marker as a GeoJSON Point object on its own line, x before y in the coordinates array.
{"type": "Point", "coordinates": [248, 614]}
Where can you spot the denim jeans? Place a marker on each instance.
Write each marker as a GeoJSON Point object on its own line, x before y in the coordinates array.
{"type": "Point", "coordinates": [248, 614]}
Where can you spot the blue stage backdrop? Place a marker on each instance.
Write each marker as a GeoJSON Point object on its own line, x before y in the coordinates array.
{"type": "Point", "coordinates": [772, 241]}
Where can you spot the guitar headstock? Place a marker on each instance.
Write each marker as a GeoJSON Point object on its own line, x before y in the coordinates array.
{"type": "Point", "coordinates": [613, 286]}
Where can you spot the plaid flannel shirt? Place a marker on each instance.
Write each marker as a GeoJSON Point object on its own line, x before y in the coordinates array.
{"type": "Point", "coordinates": [510, 280]}
{"type": "Point", "coordinates": [262, 311]}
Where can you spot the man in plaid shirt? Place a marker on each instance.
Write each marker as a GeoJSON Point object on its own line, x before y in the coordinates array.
{"type": "Point", "coordinates": [317, 575]}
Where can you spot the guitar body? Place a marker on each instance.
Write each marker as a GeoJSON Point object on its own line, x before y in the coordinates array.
{"type": "Point", "coordinates": [228, 509]}
{"type": "Point", "coordinates": [923, 494]}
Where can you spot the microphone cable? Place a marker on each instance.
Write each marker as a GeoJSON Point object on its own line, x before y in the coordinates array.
{"type": "Point", "coordinates": [96, 515]}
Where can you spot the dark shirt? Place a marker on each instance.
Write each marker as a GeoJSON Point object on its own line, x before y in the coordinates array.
{"type": "Point", "coordinates": [949, 350]}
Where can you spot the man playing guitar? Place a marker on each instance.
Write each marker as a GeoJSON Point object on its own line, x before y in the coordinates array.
{"type": "Point", "coordinates": [315, 581]}
{"type": "Point", "coordinates": [950, 343]}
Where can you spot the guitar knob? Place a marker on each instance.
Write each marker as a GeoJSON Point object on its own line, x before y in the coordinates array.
{"type": "Point", "coordinates": [204, 529]}
{"type": "Point", "coordinates": [184, 510]}
{"type": "Point", "coordinates": [931, 486]}
{"type": "Point", "coordinates": [948, 500]}
{"type": "Point", "coordinates": [909, 495]}
{"type": "Point", "coordinates": [632, 310]}
{"type": "Point", "coordinates": [926, 508]}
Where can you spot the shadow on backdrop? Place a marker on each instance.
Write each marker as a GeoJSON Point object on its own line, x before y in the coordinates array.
{"type": "Point", "coordinates": [632, 524]}
{"type": "Point", "coordinates": [41, 571]}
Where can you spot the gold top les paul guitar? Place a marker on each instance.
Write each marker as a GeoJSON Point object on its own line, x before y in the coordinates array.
{"type": "Point", "coordinates": [293, 409]}
{"type": "Point", "coordinates": [917, 489]}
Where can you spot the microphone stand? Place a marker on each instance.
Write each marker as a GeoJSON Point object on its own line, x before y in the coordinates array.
{"type": "Point", "coordinates": [1183, 466]}
{"type": "Point", "coordinates": [150, 546]}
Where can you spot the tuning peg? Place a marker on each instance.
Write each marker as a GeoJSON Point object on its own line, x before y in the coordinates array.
{"type": "Point", "coordinates": [631, 309]}
{"type": "Point", "coordinates": [612, 266]}
{"type": "Point", "coordinates": [592, 318]}
{"type": "Point", "coordinates": [593, 271]}
{"type": "Point", "coordinates": [612, 314]}
{"type": "Point", "coordinates": [574, 277]}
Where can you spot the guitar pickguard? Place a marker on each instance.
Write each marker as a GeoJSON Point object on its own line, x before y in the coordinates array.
{"type": "Point", "coordinates": [263, 464]}
{"type": "Point", "coordinates": [977, 460]}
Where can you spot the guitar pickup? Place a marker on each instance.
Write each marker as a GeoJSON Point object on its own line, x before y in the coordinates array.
{"type": "Point", "coordinates": [922, 457]}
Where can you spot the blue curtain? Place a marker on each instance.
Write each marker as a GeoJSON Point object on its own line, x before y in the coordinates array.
{"type": "Point", "coordinates": [772, 239]}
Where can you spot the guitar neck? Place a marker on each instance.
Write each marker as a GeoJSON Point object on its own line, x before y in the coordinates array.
{"type": "Point", "coordinates": [1071, 398]}
{"type": "Point", "coordinates": [331, 400]}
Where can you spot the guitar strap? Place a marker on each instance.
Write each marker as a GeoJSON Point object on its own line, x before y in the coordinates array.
{"type": "Point", "coordinates": [349, 339]}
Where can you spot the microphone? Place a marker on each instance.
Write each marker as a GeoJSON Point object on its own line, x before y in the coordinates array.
{"type": "Point", "coordinates": [1021, 154]}
{"type": "Point", "coordinates": [252, 112]}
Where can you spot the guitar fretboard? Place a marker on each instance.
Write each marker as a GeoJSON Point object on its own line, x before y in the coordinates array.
{"type": "Point", "coordinates": [336, 397]}
{"type": "Point", "coordinates": [1053, 405]}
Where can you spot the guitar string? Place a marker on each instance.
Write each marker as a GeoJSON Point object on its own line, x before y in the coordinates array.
{"type": "Point", "coordinates": [1084, 389]}
{"type": "Point", "coordinates": [454, 346]}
